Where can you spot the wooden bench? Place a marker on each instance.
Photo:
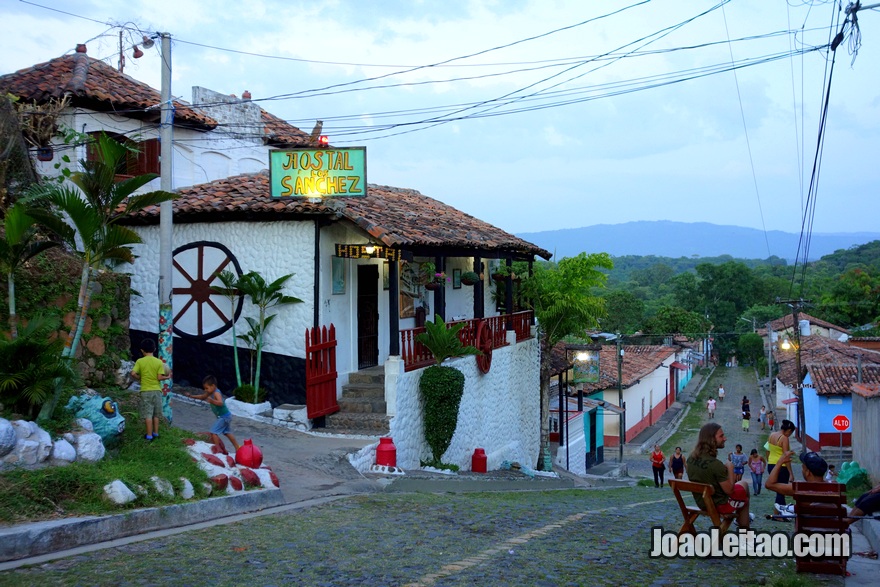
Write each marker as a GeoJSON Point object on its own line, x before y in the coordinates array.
{"type": "Point", "coordinates": [691, 513]}
{"type": "Point", "coordinates": [820, 508]}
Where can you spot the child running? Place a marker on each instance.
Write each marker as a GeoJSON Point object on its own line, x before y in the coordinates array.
{"type": "Point", "coordinates": [223, 425]}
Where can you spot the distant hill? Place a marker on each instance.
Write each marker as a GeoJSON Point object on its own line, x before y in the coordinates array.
{"type": "Point", "coordinates": [665, 238]}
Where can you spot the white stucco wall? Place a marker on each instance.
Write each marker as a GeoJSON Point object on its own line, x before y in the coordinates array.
{"type": "Point", "coordinates": [199, 156]}
{"type": "Point", "coordinates": [499, 412]}
{"type": "Point", "coordinates": [272, 249]}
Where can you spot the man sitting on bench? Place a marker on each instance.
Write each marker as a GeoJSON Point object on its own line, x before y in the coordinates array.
{"type": "Point", "coordinates": [703, 466]}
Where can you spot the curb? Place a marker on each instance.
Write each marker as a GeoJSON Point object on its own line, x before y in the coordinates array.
{"type": "Point", "coordinates": [27, 540]}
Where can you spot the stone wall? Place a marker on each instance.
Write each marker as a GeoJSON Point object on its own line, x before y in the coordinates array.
{"type": "Point", "coordinates": [49, 284]}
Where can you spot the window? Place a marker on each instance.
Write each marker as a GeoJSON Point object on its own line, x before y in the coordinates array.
{"type": "Point", "coordinates": [144, 160]}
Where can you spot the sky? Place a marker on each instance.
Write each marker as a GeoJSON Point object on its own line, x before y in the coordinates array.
{"type": "Point", "coordinates": [535, 114]}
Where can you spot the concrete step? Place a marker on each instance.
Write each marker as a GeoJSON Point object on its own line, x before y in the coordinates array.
{"type": "Point", "coordinates": [374, 391]}
{"type": "Point", "coordinates": [362, 405]}
{"type": "Point", "coordinates": [366, 424]}
{"type": "Point", "coordinates": [368, 376]}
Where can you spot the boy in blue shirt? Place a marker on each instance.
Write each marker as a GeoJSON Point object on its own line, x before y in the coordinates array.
{"type": "Point", "coordinates": [223, 425]}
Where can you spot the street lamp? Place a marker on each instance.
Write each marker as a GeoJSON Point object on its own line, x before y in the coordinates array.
{"type": "Point", "coordinates": [622, 432]}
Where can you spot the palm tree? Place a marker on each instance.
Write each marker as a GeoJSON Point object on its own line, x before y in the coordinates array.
{"type": "Point", "coordinates": [30, 368]}
{"type": "Point", "coordinates": [264, 296]}
{"type": "Point", "coordinates": [231, 292]}
{"type": "Point", "coordinates": [94, 207]}
{"type": "Point", "coordinates": [18, 245]}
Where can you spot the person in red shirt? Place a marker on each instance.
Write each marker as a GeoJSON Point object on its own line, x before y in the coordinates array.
{"type": "Point", "coordinates": [658, 465]}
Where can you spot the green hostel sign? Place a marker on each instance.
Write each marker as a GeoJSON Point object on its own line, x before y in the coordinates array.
{"type": "Point", "coordinates": [318, 173]}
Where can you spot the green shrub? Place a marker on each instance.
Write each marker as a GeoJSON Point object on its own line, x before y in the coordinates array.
{"type": "Point", "coordinates": [441, 388]}
{"type": "Point", "coordinates": [245, 393]}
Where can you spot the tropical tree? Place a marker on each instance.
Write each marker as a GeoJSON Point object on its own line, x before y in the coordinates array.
{"type": "Point", "coordinates": [674, 320]}
{"type": "Point", "coordinates": [93, 206]}
{"type": "Point", "coordinates": [30, 366]}
{"type": "Point", "coordinates": [750, 347]}
{"type": "Point", "coordinates": [229, 289]}
{"type": "Point", "coordinates": [442, 387]}
{"type": "Point", "coordinates": [561, 297]}
{"type": "Point", "coordinates": [264, 296]}
{"type": "Point", "coordinates": [20, 243]}
{"type": "Point", "coordinates": [625, 312]}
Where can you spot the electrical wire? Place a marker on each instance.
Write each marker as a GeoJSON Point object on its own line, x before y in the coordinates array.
{"type": "Point", "coordinates": [748, 142]}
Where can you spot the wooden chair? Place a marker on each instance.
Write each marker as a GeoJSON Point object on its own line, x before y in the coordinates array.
{"type": "Point", "coordinates": [820, 507]}
{"type": "Point", "coordinates": [691, 513]}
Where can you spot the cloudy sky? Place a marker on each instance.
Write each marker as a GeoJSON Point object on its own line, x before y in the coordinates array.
{"type": "Point", "coordinates": [535, 114]}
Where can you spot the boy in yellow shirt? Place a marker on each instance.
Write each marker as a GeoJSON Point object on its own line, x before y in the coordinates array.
{"type": "Point", "coordinates": [150, 370]}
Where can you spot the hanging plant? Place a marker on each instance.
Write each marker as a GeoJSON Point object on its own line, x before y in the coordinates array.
{"type": "Point", "coordinates": [469, 278]}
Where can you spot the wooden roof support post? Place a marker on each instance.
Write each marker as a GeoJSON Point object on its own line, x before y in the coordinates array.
{"type": "Point", "coordinates": [508, 294]}
{"type": "Point", "coordinates": [440, 293]}
{"type": "Point", "coordinates": [479, 309]}
{"type": "Point", "coordinates": [393, 308]}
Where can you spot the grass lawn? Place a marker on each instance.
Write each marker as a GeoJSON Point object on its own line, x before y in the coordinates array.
{"type": "Point", "coordinates": [77, 489]}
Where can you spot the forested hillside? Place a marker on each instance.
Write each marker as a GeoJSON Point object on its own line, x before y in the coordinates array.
{"type": "Point", "coordinates": [662, 296]}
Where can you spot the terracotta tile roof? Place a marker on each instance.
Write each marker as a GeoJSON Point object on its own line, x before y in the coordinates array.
{"type": "Point", "coordinates": [786, 323]}
{"type": "Point", "coordinates": [820, 350]}
{"type": "Point", "coordinates": [867, 391]}
{"type": "Point", "coordinates": [639, 361]}
{"type": "Point", "coordinates": [839, 380]}
{"type": "Point", "coordinates": [93, 84]}
{"type": "Point", "coordinates": [241, 197]}
{"type": "Point", "coordinates": [280, 133]}
{"type": "Point", "coordinates": [400, 218]}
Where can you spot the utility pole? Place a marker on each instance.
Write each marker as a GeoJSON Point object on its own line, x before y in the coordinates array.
{"type": "Point", "coordinates": [620, 395]}
{"type": "Point", "coordinates": [796, 306]}
{"type": "Point", "coordinates": [165, 222]}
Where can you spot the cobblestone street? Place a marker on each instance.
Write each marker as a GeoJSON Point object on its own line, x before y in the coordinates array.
{"type": "Point", "coordinates": [523, 538]}
{"type": "Point", "coordinates": [571, 537]}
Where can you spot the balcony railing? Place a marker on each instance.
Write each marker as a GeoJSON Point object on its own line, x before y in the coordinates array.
{"type": "Point", "coordinates": [416, 356]}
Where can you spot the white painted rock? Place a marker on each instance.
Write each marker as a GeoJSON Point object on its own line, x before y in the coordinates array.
{"type": "Point", "coordinates": [188, 492]}
{"type": "Point", "coordinates": [69, 437]}
{"type": "Point", "coordinates": [63, 451]}
{"type": "Point", "coordinates": [24, 429]}
{"type": "Point", "coordinates": [89, 447]}
{"type": "Point", "coordinates": [85, 424]}
{"type": "Point", "coordinates": [209, 489]}
{"type": "Point", "coordinates": [45, 440]}
{"type": "Point", "coordinates": [26, 453]}
{"type": "Point", "coordinates": [118, 493]}
{"type": "Point", "coordinates": [163, 486]}
{"type": "Point", "coordinates": [7, 437]}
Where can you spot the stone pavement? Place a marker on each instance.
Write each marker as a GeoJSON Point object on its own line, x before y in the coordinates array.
{"type": "Point", "coordinates": [341, 528]}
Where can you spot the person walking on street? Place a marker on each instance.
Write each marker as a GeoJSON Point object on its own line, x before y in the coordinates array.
{"type": "Point", "coordinates": [771, 421]}
{"type": "Point", "coordinates": [676, 463]}
{"type": "Point", "coordinates": [658, 465]}
{"type": "Point", "coordinates": [739, 462]}
{"type": "Point", "coordinates": [762, 416]}
{"type": "Point", "coordinates": [757, 464]}
{"type": "Point", "coordinates": [746, 416]}
{"type": "Point", "coordinates": [778, 445]}
{"type": "Point", "coordinates": [746, 406]}
{"type": "Point", "coordinates": [710, 405]}
{"type": "Point", "coordinates": [720, 392]}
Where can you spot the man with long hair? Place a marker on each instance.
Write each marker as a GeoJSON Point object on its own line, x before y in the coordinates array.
{"type": "Point", "coordinates": [703, 466]}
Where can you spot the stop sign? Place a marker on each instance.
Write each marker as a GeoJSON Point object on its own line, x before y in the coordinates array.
{"type": "Point", "coordinates": [840, 422]}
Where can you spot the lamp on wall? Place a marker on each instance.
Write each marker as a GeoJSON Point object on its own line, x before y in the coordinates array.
{"type": "Point", "coordinates": [137, 53]}
{"type": "Point", "coordinates": [148, 42]}
{"type": "Point", "coordinates": [369, 249]}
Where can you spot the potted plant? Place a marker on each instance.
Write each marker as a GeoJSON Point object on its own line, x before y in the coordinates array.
{"type": "Point", "coordinates": [469, 278]}
{"type": "Point", "coordinates": [501, 272]}
{"type": "Point", "coordinates": [430, 277]}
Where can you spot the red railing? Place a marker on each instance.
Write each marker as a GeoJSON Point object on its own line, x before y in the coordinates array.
{"type": "Point", "coordinates": [416, 356]}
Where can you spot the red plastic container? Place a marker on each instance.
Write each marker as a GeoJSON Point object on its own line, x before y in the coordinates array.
{"type": "Point", "coordinates": [386, 452]}
{"type": "Point", "coordinates": [249, 455]}
{"type": "Point", "coordinates": [478, 461]}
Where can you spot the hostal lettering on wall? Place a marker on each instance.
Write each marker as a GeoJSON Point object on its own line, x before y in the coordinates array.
{"type": "Point", "coordinates": [318, 172]}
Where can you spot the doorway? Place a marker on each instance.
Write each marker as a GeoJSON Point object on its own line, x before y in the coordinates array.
{"type": "Point", "coordinates": [368, 315]}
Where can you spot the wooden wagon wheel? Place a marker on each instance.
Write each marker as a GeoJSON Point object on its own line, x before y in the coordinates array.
{"type": "Point", "coordinates": [483, 341]}
{"type": "Point", "coordinates": [197, 265]}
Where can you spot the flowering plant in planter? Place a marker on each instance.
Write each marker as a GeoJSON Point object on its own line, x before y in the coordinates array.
{"type": "Point", "coordinates": [470, 278]}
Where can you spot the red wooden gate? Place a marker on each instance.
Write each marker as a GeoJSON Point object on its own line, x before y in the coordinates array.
{"type": "Point", "coordinates": [321, 371]}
